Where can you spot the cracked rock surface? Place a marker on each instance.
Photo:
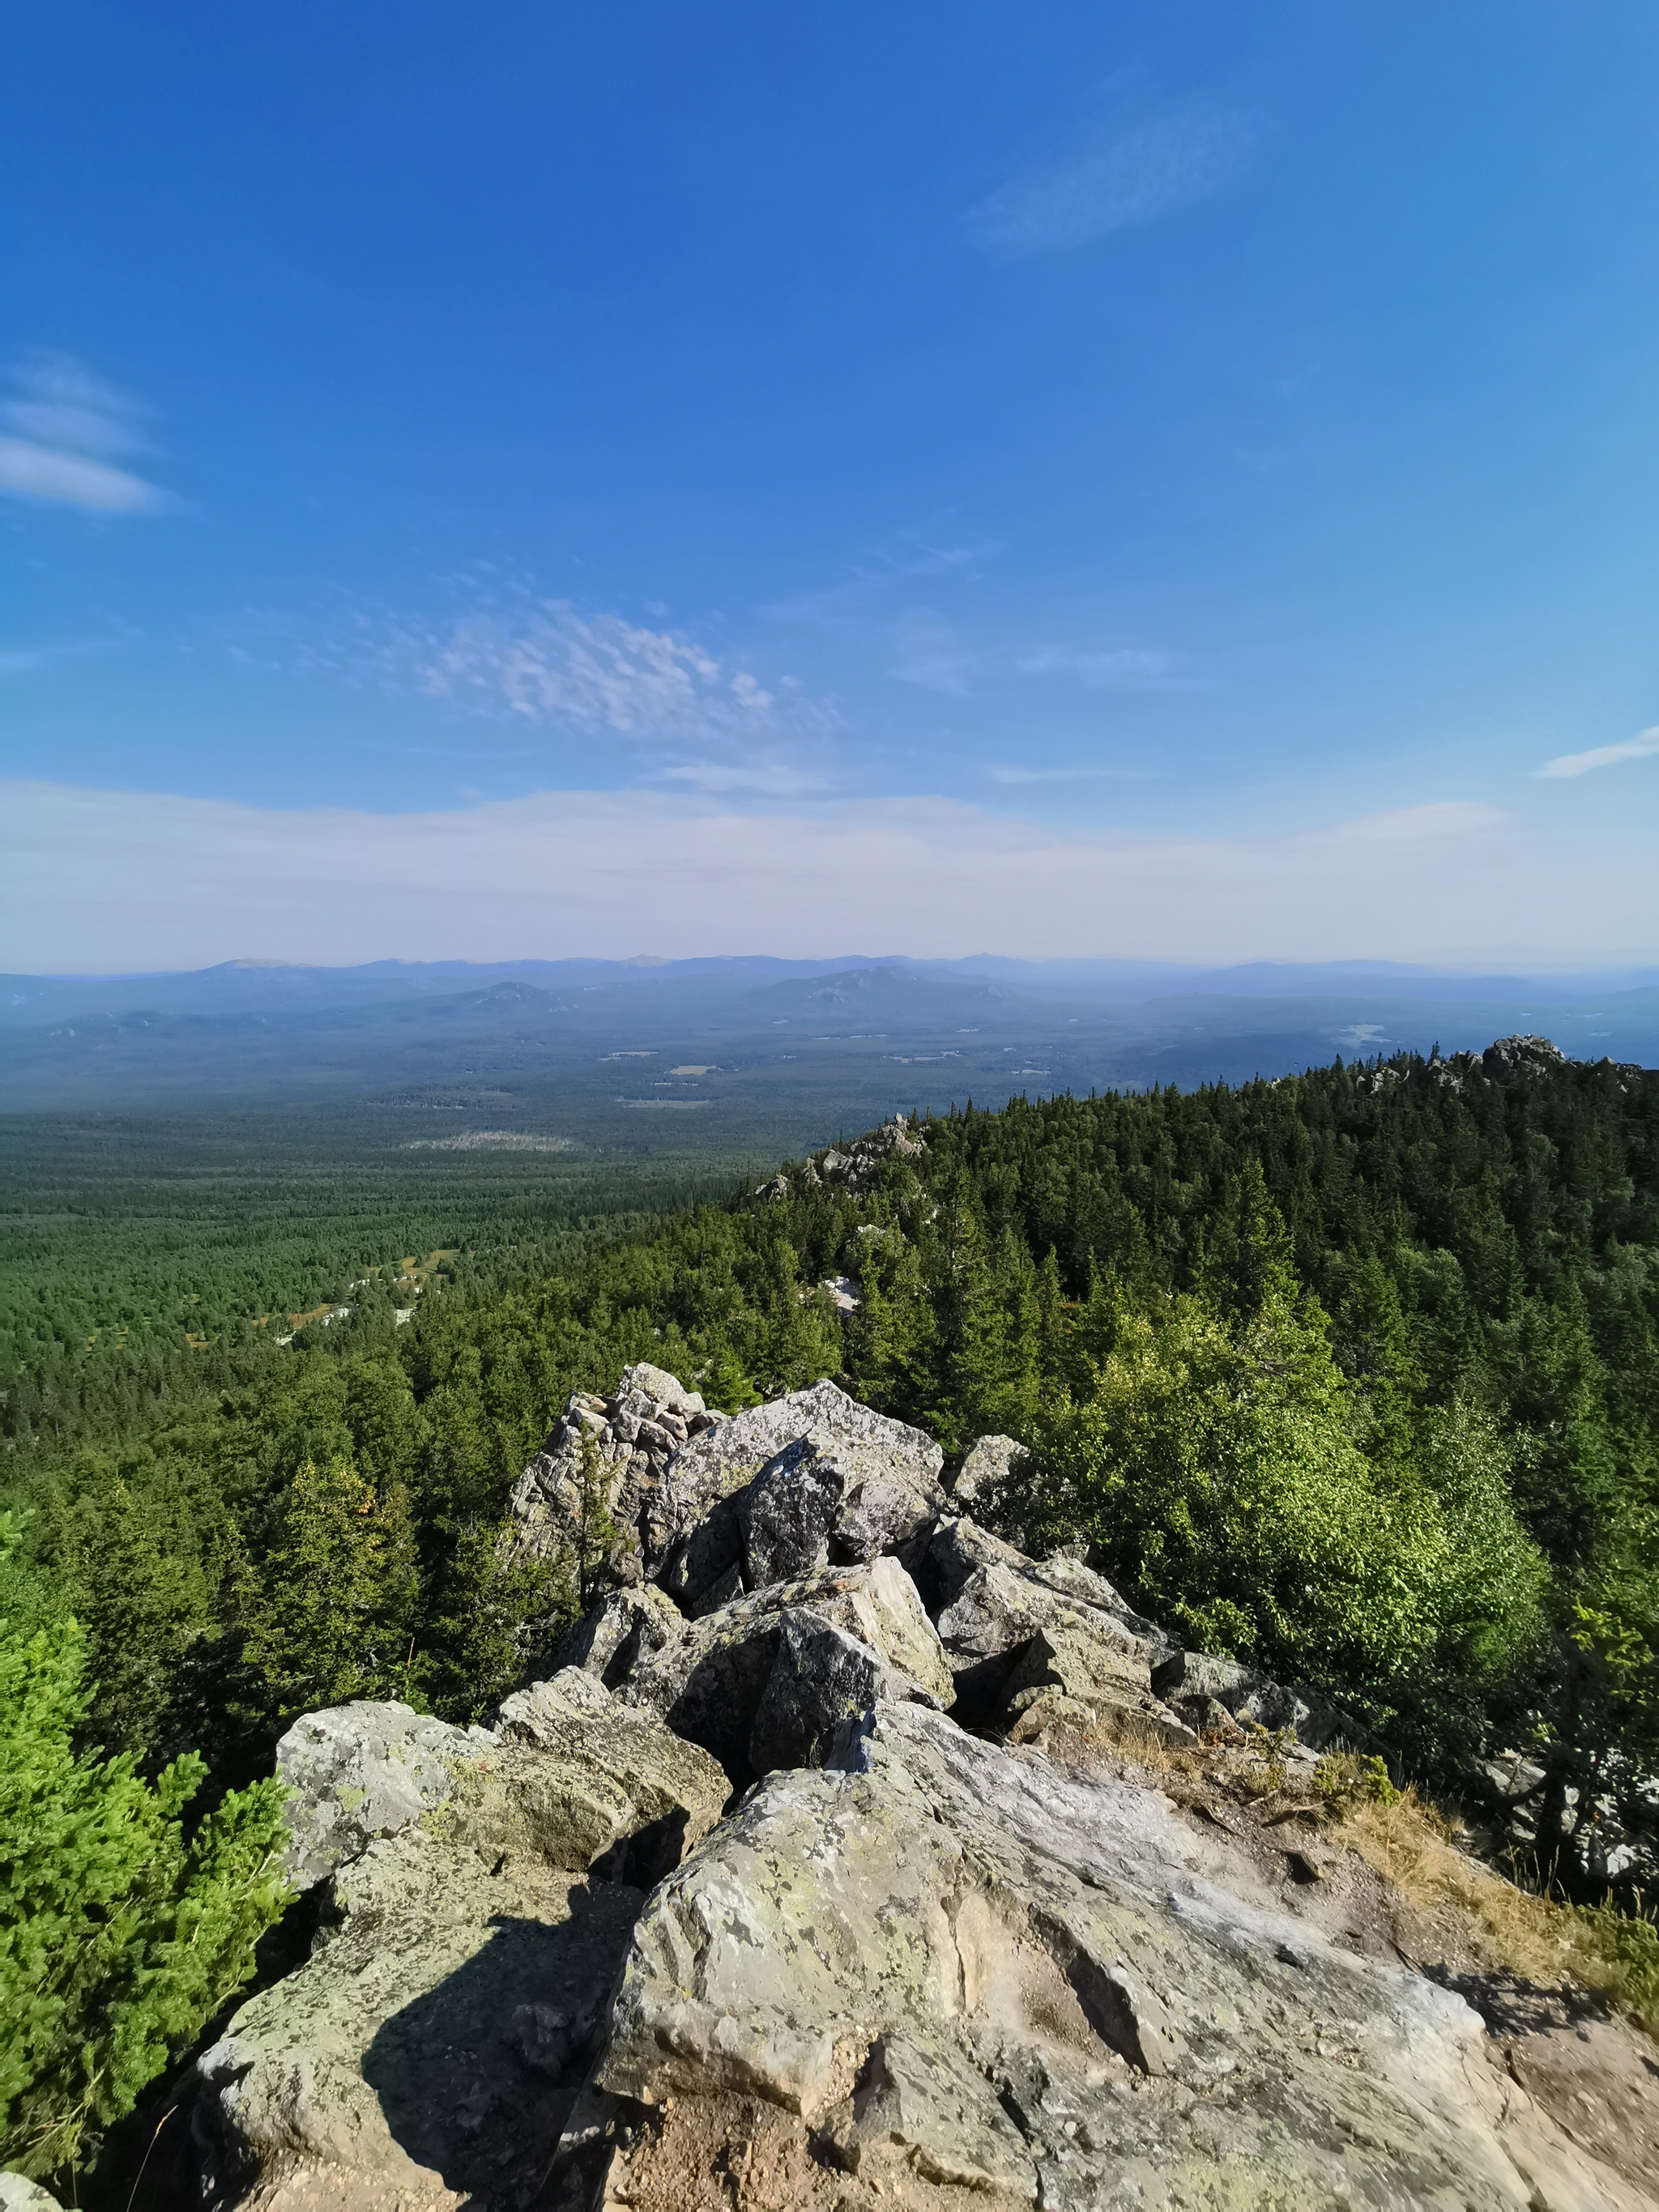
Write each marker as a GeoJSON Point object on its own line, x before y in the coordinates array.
{"type": "Point", "coordinates": [962, 1968]}
{"type": "Point", "coordinates": [426, 2052]}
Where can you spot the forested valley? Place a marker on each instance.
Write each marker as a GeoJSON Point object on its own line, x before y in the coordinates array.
{"type": "Point", "coordinates": [1353, 1375]}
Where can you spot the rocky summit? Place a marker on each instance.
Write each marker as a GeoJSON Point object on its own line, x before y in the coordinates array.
{"type": "Point", "coordinates": [845, 1858]}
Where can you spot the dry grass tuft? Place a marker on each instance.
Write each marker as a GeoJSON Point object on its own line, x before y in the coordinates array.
{"type": "Point", "coordinates": [1415, 1848]}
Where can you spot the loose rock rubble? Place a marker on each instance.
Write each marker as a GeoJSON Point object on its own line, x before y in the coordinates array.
{"type": "Point", "coordinates": [784, 1891]}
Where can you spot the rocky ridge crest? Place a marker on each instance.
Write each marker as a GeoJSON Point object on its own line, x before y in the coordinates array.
{"type": "Point", "coordinates": [802, 1881]}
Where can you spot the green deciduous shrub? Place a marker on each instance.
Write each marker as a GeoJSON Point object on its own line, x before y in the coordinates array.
{"type": "Point", "coordinates": [1214, 1470]}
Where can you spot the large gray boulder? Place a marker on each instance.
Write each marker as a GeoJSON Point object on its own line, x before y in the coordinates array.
{"type": "Point", "coordinates": [625, 1626]}
{"type": "Point", "coordinates": [711, 1466]}
{"type": "Point", "coordinates": [815, 1504]}
{"type": "Point", "coordinates": [990, 1600]}
{"type": "Point", "coordinates": [957, 1547]}
{"type": "Point", "coordinates": [560, 1780]}
{"type": "Point", "coordinates": [426, 2054]}
{"type": "Point", "coordinates": [708, 1685]}
{"type": "Point", "coordinates": [19, 2194]}
{"type": "Point", "coordinates": [479, 1894]}
{"type": "Point", "coordinates": [1070, 1675]}
{"type": "Point", "coordinates": [986, 1466]}
{"type": "Point", "coordinates": [784, 1516]}
{"type": "Point", "coordinates": [1202, 1688]}
{"type": "Point", "coordinates": [822, 1678]}
{"type": "Point", "coordinates": [357, 1771]}
{"type": "Point", "coordinates": [979, 1979]}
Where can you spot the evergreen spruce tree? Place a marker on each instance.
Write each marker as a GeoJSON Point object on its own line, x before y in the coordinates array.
{"type": "Point", "coordinates": [1245, 1260]}
{"type": "Point", "coordinates": [1053, 1323]}
{"type": "Point", "coordinates": [725, 1385]}
{"type": "Point", "coordinates": [118, 1938]}
{"type": "Point", "coordinates": [1374, 1348]}
{"type": "Point", "coordinates": [596, 1530]}
{"type": "Point", "coordinates": [335, 1616]}
{"type": "Point", "coordinates": [891, 1339]}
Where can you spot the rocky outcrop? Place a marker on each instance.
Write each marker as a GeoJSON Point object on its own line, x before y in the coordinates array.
{"type": "Point", "coordinates": [814, 1503]}
{"type": "Point", "coordinates": [822, 1679]}
{"type": "Point", "coordinates": [635, 1432]}
{"type": "Point", "coordinates": [975, 1978]}
{"type": "Point", "coordinates": [699, 1533]}
{"type": "Point", "coordinates": [477, 1889]}
{"type": "Point", "coordinates": [1522, 1055]}
{"type": "Point", "coordinates": [1070, 1675]}
{"type": "Point", "coordinates": [910, 1964]}
{"type": "Point", "coordinates": [647, 1487]}
{"type": "Point", "coordinates": [625, 1627]}
{"type": "Point", "coordinates": [357, 1772]}
{"type": "Point", "coordinates": [990, 1602]}
{"type": "Point", "coordinates": [857, 1166]}
{"type": "Point", "coordinates": [709, 1684]}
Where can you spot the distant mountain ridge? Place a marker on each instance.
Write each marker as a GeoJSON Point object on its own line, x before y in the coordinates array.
{"type": "Point", "coordinates": [249, 985]}
{"type": "Point", "coordinates": [777, 1049]}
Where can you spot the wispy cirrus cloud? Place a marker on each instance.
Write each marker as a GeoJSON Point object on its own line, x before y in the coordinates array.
{"type": "Point", "coordinates": [1025, 776]}
{"type": "Point", "coordinates": [1127, 165]}
{"type": "Point", "coordinates": [551, 664]}
{"type": "Point", "coordinates": [30, 659]}
{"type": "Point", "coordinates": [62, 433]}
{"type": "Point", "coordinates": [1643, 746]}
{"type": "Point", "coordinates": [1114, 668]}
{"type": "Point", "coordinates": [774, 779]}
{"type": "Point", "coordinates": [928, 652]}
{"type": "Point", "coordinates": [899, 565]}
{"type": "Point", "coordinates": [922, 644]}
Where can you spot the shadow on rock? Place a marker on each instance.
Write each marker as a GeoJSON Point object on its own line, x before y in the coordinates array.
{"type": "Point", "coordinates": [476, 2077]}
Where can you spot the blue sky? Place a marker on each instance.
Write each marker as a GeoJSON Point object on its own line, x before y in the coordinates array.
{"type": "Point", "coordinates": [1171, 478]}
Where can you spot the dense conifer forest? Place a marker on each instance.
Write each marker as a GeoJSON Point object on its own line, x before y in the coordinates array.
{"type": "Point", "coordinates": [1354, 1374]}
{"type": "Point", "coordinates": [147, 1259]}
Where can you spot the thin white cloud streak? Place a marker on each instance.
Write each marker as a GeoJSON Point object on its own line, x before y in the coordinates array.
{"type": "Point", "coordinates": [928, 652]}
{"type": "Point", "coordinates": [30, 659]}
{"type": "Point", "coordinates": [833, 606]}
{"type": "Point", "coordinates": [921, 646]}
{"type": "Point", "coordinates": [769, 779]}
{"type": "Point", "coordinates": [65, 427]}
{"type": "Point", "coordinates": [1114, 177]}
{"type": "Point", "coordinates": [1017, 775]}
{"type": "Point", "coordinates": [93, 880]}
{"type": "Point", "coordinates": [1642, 746]}
{"type": "Point", "coordinates": [1120, 668]}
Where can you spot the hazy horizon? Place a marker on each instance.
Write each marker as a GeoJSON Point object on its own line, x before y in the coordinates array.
{"type": "Point", "coordinates": [1611, 973]}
